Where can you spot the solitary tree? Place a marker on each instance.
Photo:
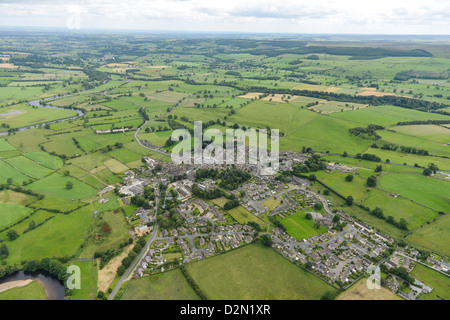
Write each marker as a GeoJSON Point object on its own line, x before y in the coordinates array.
{"type": "Point", "coordinates": [318, 206]}
{"type": "Point", "coordinates": [266, 240]}
{"type": "Point", "coordinates": [32, 225]}
{"type": "Point", "coordinates": [69, 185]}
{"type": "Point", "coordinates": [372, 181]}
{"type": "Point", "coordinates": [349, 200]}
{"type": "Point", "coordinates": [12, 235]}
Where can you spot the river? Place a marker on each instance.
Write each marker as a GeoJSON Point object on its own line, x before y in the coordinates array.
{"type": "Point", "coordinates": [37, 103]}
{"type": "Point", "coordinates": [54, 289]}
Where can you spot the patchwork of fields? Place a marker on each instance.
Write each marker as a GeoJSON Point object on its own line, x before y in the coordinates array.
{"type": "Point", "coordinates": [391, 107]}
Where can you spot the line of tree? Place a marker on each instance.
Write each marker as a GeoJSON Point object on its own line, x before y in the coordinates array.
{"type": "Point", "coordinates": [416, 122]}
{"type": "Point", "coordinates": [368, 157]}
{"type": "Point", "coordinates": [377, 212]}
{"type": "Point", "coordinates": [192, 283]}
{"type": "Point", "coordinates": [128, 260]}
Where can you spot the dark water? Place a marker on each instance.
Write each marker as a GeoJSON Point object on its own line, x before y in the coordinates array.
{"type": "Point", "coordinates": [54, 289]}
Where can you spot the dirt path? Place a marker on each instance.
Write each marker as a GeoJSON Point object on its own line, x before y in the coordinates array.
{"type": "Point", "coordinates": [14, 284]}
{"type": "Point", "coordinates": [108, 273]}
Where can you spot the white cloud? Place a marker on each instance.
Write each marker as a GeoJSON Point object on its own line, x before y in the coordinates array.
{"type": "Point", "coordinates": [320, 16]}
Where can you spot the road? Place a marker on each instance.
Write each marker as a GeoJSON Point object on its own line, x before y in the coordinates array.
{"type": "Point", "coordinates": [144, 146]}
{"type": "Point", "coordinates": [136, 261]}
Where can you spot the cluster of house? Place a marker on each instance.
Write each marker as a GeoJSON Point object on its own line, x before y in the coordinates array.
{"type": "Point", "coordinates": [334, 256]}
{"type": "Point", "coordinates": [288, 159]}
{"type": "Point", "coordinates": [256, 193]}
{"type": "Point", "coordinates": [290, 202]}
{"type": "Point", "coordinates": [153, 258]}
{"type": "Point", "coordinates": [111, 131]}
{"type": "Point", "coordinates": [183, 189]}
{"type": "Point", "coordinates": [211, 212]}
{"type": "Point", "coordinates": [438, 264]}
{"type": "Point", "coordinates": [197, 248]}
{"type": "Point", "coordinates": [133, 184]}
{"type": "Point", "coordinates": [339, 167]}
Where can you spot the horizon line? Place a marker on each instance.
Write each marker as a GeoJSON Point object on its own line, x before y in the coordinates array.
{"type": "Point", "coordinates": [161, 31]}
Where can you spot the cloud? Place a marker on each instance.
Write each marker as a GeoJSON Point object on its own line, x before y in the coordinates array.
{"type": "Point", "coordinates": [319, 16]}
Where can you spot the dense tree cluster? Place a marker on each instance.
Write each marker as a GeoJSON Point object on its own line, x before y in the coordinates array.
{"type": "Point", "coordinates": [231, 204]}
{"type": "Point", "coordinates": [368, 157]}
{"type": "Point", "coordinates": [366, 133]}
{"type": "Point", "coordinates": [230, 179]}
{"type": "Point", "coordinates": [312, 164]}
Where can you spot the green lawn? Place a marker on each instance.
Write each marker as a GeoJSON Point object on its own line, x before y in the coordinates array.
{"type": "Point", "coordinates": [301, 228]}
{"type": "Point", "coordinates": [242, 215]}
{"type": "Point", "coordinates": [255, 273]}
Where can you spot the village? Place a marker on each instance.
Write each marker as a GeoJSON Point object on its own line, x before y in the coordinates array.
{"type": "Point", "coordinates": [340, 257]}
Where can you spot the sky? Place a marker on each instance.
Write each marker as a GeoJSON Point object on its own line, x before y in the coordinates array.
{"type": "Point", "coordinates": [246, 16]}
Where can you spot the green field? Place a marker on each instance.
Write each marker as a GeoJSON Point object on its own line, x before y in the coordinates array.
{"type": "Point", "coordinates": [171, 285]}
{"type": "Point", "coordinates": [439, 282]}
{"type": "Point", "coordinates": [385, 115]}
{"type": "Point", "coordinates": [433, 236]}
{"type": "Point", "coordinates": [242, 216]}
{"type": "Point", "coordinates": [336, 180]}
{"type": "Point", "coordinates": [301, 228]}
{"type": "Point", "coordinates": [99, 241]}
{"type": "Point", "coordinates": [27, 115]}
{"type": "Point", "coordinates": [255, 273]}
{"type": "Point", "coordinates": [422, 189]}
{"type": "Point", "coordinates": [5, 145]}
{"type": "Point", "coordinates": [55, 184]}
{"type": "Point", "coordinates": [58, 237]}
{"type": "Point", "coordinates": [88, 283]}
{"type": "Point", "coordinates": [415, 214]}
{"type": "Point", "coordinates": [428, 132]}
{"type": "Point", "coordinates": [28, 167]}
{"type": "Point", "coordinates": [325, 133]}
{"type": "Point", "coordinates": [7, 171]}
{"type": "Point", "coordinates": [45, 159]}
{"type": "Point", "coordinates": [321, 92]}
{"type": "Point", "coordinates": [32, 291]}
{"type": "Point", "coordinates": [10, 213]}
